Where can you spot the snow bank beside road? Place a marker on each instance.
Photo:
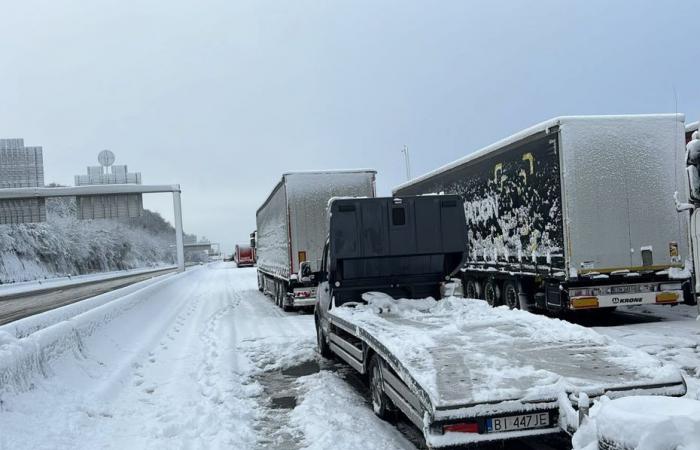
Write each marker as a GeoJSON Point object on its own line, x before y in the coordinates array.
{"type": "Point", "coordinates": [23, 358]}
{"type": "Point", "coordinates": [28, 325]}
{"type": "Point", "coordinates": [157, 370]}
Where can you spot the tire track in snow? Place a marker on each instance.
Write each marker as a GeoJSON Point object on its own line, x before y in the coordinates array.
{"type": "Point", "coordinates": [215, 412]}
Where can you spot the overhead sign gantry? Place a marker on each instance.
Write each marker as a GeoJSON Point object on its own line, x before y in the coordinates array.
{"type": "Point", "coordinates": [106, 190]}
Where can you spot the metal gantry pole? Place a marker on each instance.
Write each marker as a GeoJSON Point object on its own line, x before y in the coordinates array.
{"type": "Point", "coordinates": [179, 242]}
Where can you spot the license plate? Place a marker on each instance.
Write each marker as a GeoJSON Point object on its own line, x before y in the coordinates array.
{"type": "Point", "coordinates": [619, 289]}
{"type": "Point", "coordinates": [523, 422]}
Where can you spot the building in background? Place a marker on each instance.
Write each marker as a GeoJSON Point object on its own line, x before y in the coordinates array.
{"type": "Point", "coordinates": [108, 206]}
{"type": "Point", "coordinates": [21, 167]}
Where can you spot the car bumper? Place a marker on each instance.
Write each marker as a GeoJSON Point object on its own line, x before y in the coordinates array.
{"type": "Point", "coordinates": [613, 300]}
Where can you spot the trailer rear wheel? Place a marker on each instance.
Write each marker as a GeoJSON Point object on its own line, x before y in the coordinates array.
{"type": "Point", "coordinates": [472, 288]}
{"type": "Point", "coordinates": [511, 294]}
{"type": "Point", "coordinates": [380, 402]}
{"type": "Point", "coordinates": [278, 294]}
{"type": "Point", "coordinates": [492, 293]}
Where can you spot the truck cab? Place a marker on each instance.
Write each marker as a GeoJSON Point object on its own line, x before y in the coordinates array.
{"type": "Point", "coordinates": [404, 247]}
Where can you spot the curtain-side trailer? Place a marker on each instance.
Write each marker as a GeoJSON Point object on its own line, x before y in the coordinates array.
{"type": "Point", "coordinates": [574, 213]}
{"type": "Point", "coordinates": [291, 228]}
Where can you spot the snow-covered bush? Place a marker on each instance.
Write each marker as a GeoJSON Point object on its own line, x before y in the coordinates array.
{"type": "Point", "coordinates": [64, 245]}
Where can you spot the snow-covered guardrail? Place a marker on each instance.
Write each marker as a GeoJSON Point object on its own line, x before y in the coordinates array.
{"type": "Point", "coordinates": [23, 356]}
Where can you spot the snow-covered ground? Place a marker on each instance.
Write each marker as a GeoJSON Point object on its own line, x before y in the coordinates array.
{"type": "Point", "coordinates": [203, 360]}
{"type": "Point", "coordinates": [671, 334]}
{"type": "Point", "coordinates": [181, 363]}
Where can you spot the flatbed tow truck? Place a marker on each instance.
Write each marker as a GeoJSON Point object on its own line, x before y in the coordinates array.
{"type": "Point", "coordinates": [461, 371]}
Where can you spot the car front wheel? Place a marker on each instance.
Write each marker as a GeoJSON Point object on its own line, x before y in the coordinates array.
{"type": "Point", "coordinates": [323, 348]}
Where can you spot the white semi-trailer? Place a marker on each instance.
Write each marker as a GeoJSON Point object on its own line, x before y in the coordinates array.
{"type": "Point", "coordinates": [574, 213]}
{"type": "Point", "coordinates": [292, 227]}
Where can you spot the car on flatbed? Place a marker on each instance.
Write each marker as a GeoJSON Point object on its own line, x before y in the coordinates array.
{"type": "Point", "coordinates": [459, 370]}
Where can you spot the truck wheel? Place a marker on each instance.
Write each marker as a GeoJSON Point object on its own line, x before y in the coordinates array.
{"type": "Point", "coordinates": [260, 285]}
{"type": "Point", "coordinates": [492, 294]}
{"type": "Point", "coordinates": [380, 402]}
{"type": "Point", "coordinates": [472, 289]}
{"type": "Point", "coordinates": [511, 294]}
{"type": "Point", "coordinates": [278, 295]}
{"type": "Point", "coordinates": [323, 348]}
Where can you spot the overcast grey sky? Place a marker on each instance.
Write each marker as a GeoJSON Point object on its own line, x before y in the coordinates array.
{"type": "Point", "coordinates": [224, 96]}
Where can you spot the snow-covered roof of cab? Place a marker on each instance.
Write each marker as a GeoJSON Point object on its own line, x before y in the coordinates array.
{"type": "Point", "coordinates": [692, 126]}
{"type": "Point", "coordinates": [523, 134]}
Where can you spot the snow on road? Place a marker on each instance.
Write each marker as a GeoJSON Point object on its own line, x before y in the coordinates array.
{"type": "Point", "coordinates": [182, 363]}
{"type": "Point", "coordinates": [203, 360]}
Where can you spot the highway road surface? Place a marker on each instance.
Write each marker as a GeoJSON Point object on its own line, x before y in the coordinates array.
{"type": "Point", "coordinates": [18, 305]}
{"type": "Point", "coordinates": [203, 360]}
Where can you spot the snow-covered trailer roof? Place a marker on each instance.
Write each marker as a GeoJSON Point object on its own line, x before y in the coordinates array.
{"type": "Point", "coordinates": [466, 356]}
{"type": "Point", "coordinates": [310, 172]}
{"type": "Point", "coordinates": [523, 134]}
{"type": "Point", "coordinates": [301, 228]}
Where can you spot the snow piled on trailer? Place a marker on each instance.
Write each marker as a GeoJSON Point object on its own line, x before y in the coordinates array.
{"type": "Point", "coordinates": [463, 351]}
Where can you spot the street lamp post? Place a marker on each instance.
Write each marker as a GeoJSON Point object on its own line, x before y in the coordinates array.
{"type": "Point", "coordinates": [407, 162]}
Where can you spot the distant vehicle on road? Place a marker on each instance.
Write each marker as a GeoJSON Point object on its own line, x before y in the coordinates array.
{"type": "Point", "coordinates": [291, 229]}
{"type": "Point", "coordinates": [244, 256]}
{"type": "Point", "coordinates": [461, 371]}
{"type": "Point", "coordinates": [575, 213]}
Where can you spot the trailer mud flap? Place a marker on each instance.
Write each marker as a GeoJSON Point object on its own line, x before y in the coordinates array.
{"type": "Point", "coordinates": [554, 296]}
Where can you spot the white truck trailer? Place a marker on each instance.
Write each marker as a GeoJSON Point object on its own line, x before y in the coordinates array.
{"type": "Point", "coordinates": [292, 226]}
{"type": "Point", "coordinates": [574, 213]}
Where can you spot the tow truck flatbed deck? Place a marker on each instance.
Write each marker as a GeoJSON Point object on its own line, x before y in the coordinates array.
{"type": "Point", "coordinates": [454, 359]}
